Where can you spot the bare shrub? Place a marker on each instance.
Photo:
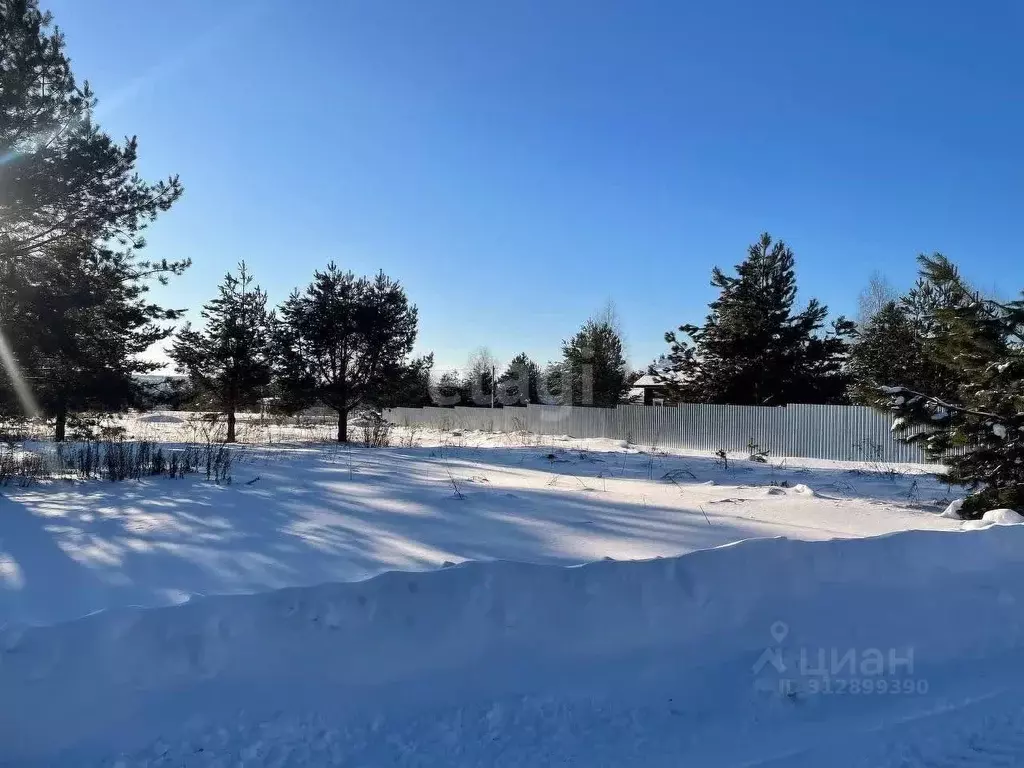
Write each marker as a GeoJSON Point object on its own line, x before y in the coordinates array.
{"type": "Point", "coordinates": [19, 466]}
{"type": "Point", "coordinates": [376, 431]}
{"type": "Point", "coordinates": [409, 439]}
{"type": "Point", "coordinates": [675, 475]}
{"type": "Point", "coordinates": [756, 453]}
{"type": "Point", "coordinates": [722, 458]}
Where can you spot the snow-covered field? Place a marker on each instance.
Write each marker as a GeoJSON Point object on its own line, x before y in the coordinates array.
{"type": "Point", "coordinates": [304, 514]}
{"type": "Point", "coordinates": [319, 610]}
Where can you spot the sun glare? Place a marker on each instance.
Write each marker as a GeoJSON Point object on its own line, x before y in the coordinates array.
{"type": "Point", "coordinates": [21, 387]}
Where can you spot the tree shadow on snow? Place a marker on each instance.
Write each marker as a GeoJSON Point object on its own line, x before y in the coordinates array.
{"type": "Point", "coordinates": [305, 515]}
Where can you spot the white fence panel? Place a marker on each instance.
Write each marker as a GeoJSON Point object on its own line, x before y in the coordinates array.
{"type": "Point", "coordinates": [836, 432]}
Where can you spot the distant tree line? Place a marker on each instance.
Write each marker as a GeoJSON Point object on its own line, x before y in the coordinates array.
{"type": "Point", "coordinates": [592, 371]}
{"type": "Point", "coordinates": [944, 359]}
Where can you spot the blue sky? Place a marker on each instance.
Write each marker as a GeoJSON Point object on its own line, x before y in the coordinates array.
{"type": "Point", "coordinates": [517, 164]}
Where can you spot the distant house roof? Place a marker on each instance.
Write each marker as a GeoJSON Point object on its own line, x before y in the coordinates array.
{"type": "Point", "coordinates": [649, 380]}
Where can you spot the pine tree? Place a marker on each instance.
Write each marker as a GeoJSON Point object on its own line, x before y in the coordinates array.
{"type": "Point", "coordinates": [90, 320]}
{"type": "Point", "coordinates": [518, 385]}
{"type": "Point", "coordinates": [593, 364]}
{"type": "Point", "coordinates": [753, 349]}
{"type": "Point", "coordinates": [69, 196]}
{"type": "Point", "coordinates": [982, 340]}
{"type": "Point", "coordinates": [231, 358]}
{"type": "Point", "coordinates": [344, 341]}
{"type": "Point", "coordinates": [410, 388]}
{"type": "Point", "coordinates": [62, 178]}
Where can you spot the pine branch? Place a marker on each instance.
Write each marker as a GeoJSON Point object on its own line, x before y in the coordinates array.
{"type": "Point", "coordinates": [896, 391]}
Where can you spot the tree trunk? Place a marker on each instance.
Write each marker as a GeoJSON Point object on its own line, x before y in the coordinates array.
{"type": "Point", "coordinates": [231, 425]}
{"type": "Point", "coordinates": [342, 426]}
{"type": "Point", "coordinates": [62, 423]}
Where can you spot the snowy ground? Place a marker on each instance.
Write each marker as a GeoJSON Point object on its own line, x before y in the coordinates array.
{"type": "Point", "coordinates": [654, 663]}
{"type": "Point", "coordinates": [262, 643]}
{"type": "Point", "coordinates": [304, 514]}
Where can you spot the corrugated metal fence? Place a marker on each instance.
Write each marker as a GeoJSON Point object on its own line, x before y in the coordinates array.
{"type": "Point", "coordinates": [839, 432]}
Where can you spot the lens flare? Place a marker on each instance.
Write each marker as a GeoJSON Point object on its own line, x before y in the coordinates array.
{"type": "Point", "coordinates": [21, 387]}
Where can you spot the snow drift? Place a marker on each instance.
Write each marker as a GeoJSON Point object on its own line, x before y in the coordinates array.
{"type": "Point", "coordinates": [994, 517]}
{"type": "Point", "coordinates": [415, 642]}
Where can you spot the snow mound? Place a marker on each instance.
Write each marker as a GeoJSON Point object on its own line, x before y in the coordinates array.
{"type": "Point", "coordinates": [953, 510]}
{"type": "Point", "coordinates": [402, 647]}
{"type": "Point", "coordinates": [994, 517]}
{"type": "Point", "coordinates": [799, 489]}
{"type": "Point", "coordinates": [160, 418]}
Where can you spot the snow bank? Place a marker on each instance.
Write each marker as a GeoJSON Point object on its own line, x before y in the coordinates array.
{"type": "Point", "coordinates": [994, 517]}
{"type": "Point", "coordinates": [953, 510]}
{"type": "Point", "coordinates": [121, 678]}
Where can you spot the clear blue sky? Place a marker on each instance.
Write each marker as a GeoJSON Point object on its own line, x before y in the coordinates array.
{"type": "Point", "coordinates": [516, 164]}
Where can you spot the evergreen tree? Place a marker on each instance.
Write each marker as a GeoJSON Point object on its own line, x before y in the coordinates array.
{"type": "Point", "coordinates": [345, 340]}
{"type": "Point", "coordinates": [753, 349]}
{"type": "Point", "coordinates": [925, 300]}
{"type": "Point", "coordinates": [448, 389]}
{"type": "Point", "coordinates": [887, 349]}
{"type": "Point", "coordinates": [72, 209]}
{"type": "Point", "coordinates": [893, 348]}
{"type": "Point", "coordinates": [61, 178]}
{"type": "Point", "coordinates": [85, 319]}
{"type": "Point", "coordinates": [593, 365]}
{"type": "Point", "coordinates": [231, 358]}
{"type": "Point", "coordinates": [518, 385]}
{"type": "Point", "coordinates": [982, 340]}
{"type": "Point", "coordinates": [478, 382]}
{"type": "Point", "coordinates": [553, 387]}
{"type": "Point", "coordinates": [410, 388]}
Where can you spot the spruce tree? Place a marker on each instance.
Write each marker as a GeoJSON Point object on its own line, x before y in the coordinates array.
{"type": "Point", "coordinates": [982, 340]}
{"type": "Point", "coordinates": [753, 349]}
{"type": "Point", "coordinates": [231, 358]}
{"type": "Point", "coordinates": [344, 341]}
{"type": "Point", "coordinates": [519, 383]}
{"type": "Point", "coordinates": [593, 364]}
{"type": "Point", "coordinates": [892, 349]}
